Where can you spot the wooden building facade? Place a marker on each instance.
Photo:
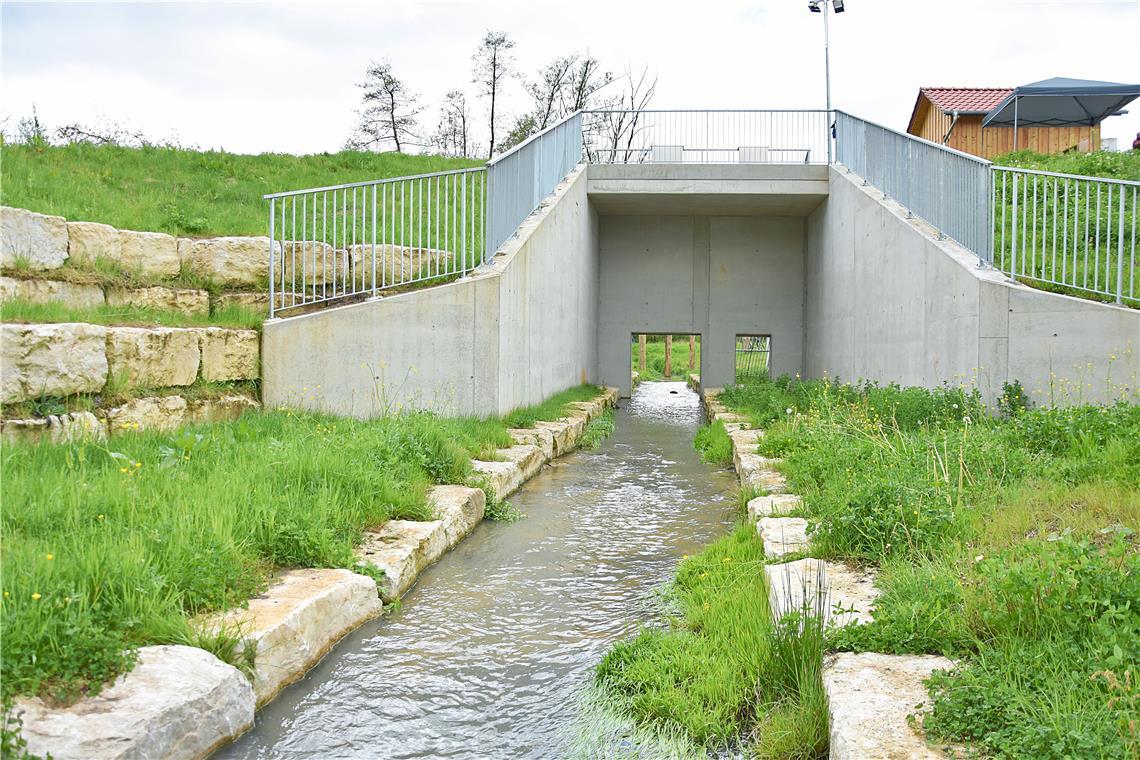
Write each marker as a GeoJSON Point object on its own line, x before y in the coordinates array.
{"type": "Point", "coordinates": [952, 116]}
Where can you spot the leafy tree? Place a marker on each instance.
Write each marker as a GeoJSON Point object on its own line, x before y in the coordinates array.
{"type": "Point", "coordinates": [452, 134]}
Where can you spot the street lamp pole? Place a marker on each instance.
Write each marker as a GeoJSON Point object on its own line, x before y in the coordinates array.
{"type": "Point", "coordinates": [821, 6]}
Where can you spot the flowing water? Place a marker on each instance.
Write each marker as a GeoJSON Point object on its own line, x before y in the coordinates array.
{"type": "Point", "coordinates": [490, 653]}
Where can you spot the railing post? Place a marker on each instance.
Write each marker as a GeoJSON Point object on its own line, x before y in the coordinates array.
{"type": "Point", "coordinates": [1120, 248]}
{"type": "Point", "coordinates": [272, 267]}
{"type": "Point", "coordinates": [1013, 238]}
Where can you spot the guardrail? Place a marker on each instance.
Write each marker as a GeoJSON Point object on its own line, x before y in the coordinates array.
{"type": "Point", "coordinates": [947, 188]}
{"type": "Point", "coordinates": [1068, 231]}
{"type": "Point", "coordinates": [706, 137]}
{"type": "Point", "coordinates": [337, 242]}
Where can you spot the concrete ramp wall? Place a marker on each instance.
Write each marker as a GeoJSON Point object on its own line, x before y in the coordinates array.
{"type": "Point", "coordinates": [511, 334]}
{"type": "Point", "coordinates": [887, 301]}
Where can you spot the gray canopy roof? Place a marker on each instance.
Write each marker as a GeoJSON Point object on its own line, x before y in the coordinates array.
{"type": "Point", "coordinates": [1062, 102]}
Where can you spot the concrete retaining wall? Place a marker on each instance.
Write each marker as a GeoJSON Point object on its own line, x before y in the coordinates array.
{"type": "Point", "coordinates": [888, 301]}
{"type": "Point", "coordinates": [511, 334]}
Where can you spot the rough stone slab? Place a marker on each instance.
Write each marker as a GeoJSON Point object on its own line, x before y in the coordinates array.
{"type": "Point", "coordinates": [51, 360]}
{"type": "Point", "coordinates": [783, 535]}
{"type": "Point", "coordinates": [39, 240]}
{"type": "Point", "coordinates": [228, 407]}
{"type": "Point", "coordinates": [178, 702]}
{"type": "Point", "coordinates": [152, 253]}
{"type": "Point", "coordinates": [255, 302]}
{"type": "Point", "coordinates": [459, 508]}
{"type": "Point", "coordinates": [182, 300]}
{"type": "Point", "coordinates": [504, 478]}
{"type": "Point", "coordinates": [62, 428]}
{"type": "Point", "coordinates": [694, 382]}
{"type": "Point", "coordinates": [154, 357]}
{"type": "Point", "coordinates": [297, 620]}
{"type": "Point", "coordinates": [848, 593]}
{"type": "Point", "coordinates": [230, 354]}
{"type": "Point", "coordinates": [566, 434]}
{"type": "Point", "coordinates": [528, 458]}
{"type": "Point", "coordinates": [160, 413]}
{"type": "Point", "coordinates": [869, 698]}
{"type": "Point", "coordinates": [76, 295]}
{"type": "Point", "coordinates": [540, 437]}
{"type": "Point", "coordinates": [402, 549]}
{"type": "Point", "coordinates": [233, 261]}
{"type": "Point", "coordinates": [760, 472]}
{"type": "Point", "coordinates": [773, 506]}
{"type": "Point", "coordinates": [89, 241]}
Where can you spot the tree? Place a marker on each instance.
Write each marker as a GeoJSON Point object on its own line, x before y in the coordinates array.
{"type": "Point", "coordinates": [565, 85]}
{"type": "Point", "coordinates": [493, 63]}
{"type": "Point", "coordinates": [391, 111]}
{"type": "Point", "coordinates": [585, 80]}
{"type": "Point", "coordinates": [616, 130]}
{"type": "Point", "coordinates": [451, 135]}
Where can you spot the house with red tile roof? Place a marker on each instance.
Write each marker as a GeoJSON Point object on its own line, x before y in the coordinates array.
{"type": "Point", "coordinates": [952, 116]}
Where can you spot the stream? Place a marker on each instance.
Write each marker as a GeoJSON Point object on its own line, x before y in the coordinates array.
{"type": "Point", "coordinates": [491, 651]}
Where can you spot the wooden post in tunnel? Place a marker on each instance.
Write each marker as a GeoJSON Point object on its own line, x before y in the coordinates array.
{"type": "Point", "coordinates": [692, 352]}
{"type": "Point", "coordinates": [668, 356]}
{"type": "Point", "coordinates": [641, 352]}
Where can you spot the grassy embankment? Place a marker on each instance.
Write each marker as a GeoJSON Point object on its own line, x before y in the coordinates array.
{"type": "Point", "coordinates": [111, 546]}
{"type": "Point", "coordinates": [655, 358]}
{"type": "Point", "coordinates": [1053, 237]}
{"type": "Point", "coordinates": [1007, 543]}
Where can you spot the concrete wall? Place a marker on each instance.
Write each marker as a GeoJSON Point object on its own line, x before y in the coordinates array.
{"type": "Point", "coordinates": [716, 276]}
{"type": "Point", "coordinates": [887, 301]}
{"type": "Point", "coordinates": [511, 334]}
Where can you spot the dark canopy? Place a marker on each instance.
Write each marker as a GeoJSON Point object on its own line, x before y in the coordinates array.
{"type": "Point", "coordinates": [1062, 102]}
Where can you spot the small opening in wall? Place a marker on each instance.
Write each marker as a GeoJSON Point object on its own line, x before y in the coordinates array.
{"type": "Point", "coordinates": [752, 357]}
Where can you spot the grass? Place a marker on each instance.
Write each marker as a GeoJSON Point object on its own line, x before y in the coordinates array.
{"type": "Point", "coordinates": [112, 546]}
{"type": "Point", "coordinates": [28, 312]}
{"type": "Point", "coordinates": [714, 445]}
{"type": "Point", "coordinates": [118, 391]}
{"type": "Point", "coordinates": [655, 358]}
{"type": "Point", "coordinates": [183, 192]}
{"type": "Point", "coordinates": [1111, 164]}
{"type": "Point", "coordinates": [551, 409]}
{"type": "Point", "coordinates": [1008, 542]}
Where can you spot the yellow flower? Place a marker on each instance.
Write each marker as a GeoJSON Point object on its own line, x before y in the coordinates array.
{"type": "Point", "coordinates": [36, 597]}
{"type": "Point", "coordinates": [5, 594]}
{"type": "Point", "coordinates": [123, 469]}
{"type": "Point", "coordinates": [138, 464]}
{"type": "Point", "coordinates": [49, 557]}
{"type": "Point", "coordinates": [102, 517]}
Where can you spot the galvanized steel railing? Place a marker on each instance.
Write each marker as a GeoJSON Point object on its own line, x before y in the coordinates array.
{"type": "Point", "coordinates": [947, 188]}
{"type": "Point", "coordinates": [1067, 231]}
{"type": "Point", "coordinates": [706, 137]}
{"type": "Point", "coordinates": [336, 242]}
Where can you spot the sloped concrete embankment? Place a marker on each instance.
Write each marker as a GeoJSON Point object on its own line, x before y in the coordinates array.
{"type": "Point", "coordinates": [182, 702]}
{"type": "Point", "coordinates": [870, 695]}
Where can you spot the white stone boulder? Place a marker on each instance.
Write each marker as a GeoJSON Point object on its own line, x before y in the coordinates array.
{"type": "Point", "coordinates": [73, 294]}
{"type": "Point", "coordinates": [542, 438]}
{"type": "Point", "coordinates": [869, 698]}
{"type": "Point", "coordinates": [760, 473]}
{"type": "Point", "coordinates": [520, 463]}
{"type": "Point", "coordinates": [151, 253]}
{"type": "Point", "coordinates": [403, 548]}
{"type": "Point", "coordinates": [89, 241]}
{"type": "Point", "coordinates": [459, 508]}
{"type": "Point", "coordinates": [178, 702]}
{"type": "Point", "coordinates": [297, 620]}
{"type": "Point", "coordinates": [158, 298]}
{"type": "Point", "coordinates": [51, 360]}
{"type": "Point", "coordinates": [160, 413]}
{"type": "Point", "coordinates": [232, 261]}
{"type": "Point", "coordinates": [841, 594]}
{"type": "Point", "coordinates": [37, 240]}
{"type": "Point", "coordinates": [62, 428]}
{"type": "Point", "coordinates": [230, 354]}
{"type": "Point", "coordinates": [783, 535]}
{"type": "Point", "coordinates": [154, 357]}
{"type": "Point", "coordinates": [255, 302]}
{"type": "Point", "coordinates": [774, 505]}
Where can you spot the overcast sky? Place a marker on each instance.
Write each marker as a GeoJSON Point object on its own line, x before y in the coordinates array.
{"type": "Point", "coordinates": [253, 77]}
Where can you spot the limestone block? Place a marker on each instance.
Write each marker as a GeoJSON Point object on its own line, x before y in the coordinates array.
{"type": "Point", "coordinates": [234, 261]}
{"type": "Point", "coordinates": [88, 241]}
{"type": "Point", "coordinates": [563, 433]}
{"type": "Point", "coordinates": [840, 593]}
{"type": "Point", "coordinates": [177, 702]}
{"type": "Point", "coordinates": [39, 240]}
{"type": "Point", "coordinates": [63, 428]}
{"type": "Point", "coordinates": [150, 413]}
{"type": "Point", "coordinates": [759, 472]}
{"type": "Point", "coordinates": [184, 249]}
{"type": "Point", "coordinates": [76, 295]}
{"type": "Point", "coordinates": [297, 620]}
{"type": "Point", "coordinates": [152, 253]}
{"type": "Point", "coordinates": [51, 360]}
{"type": "Point", "coordinates": [539, 437]}
{"type": "Point", "coordinates": [504, 478]}
{"type": "Point", "coordinates": [255, 302]}
{"type": "Point", "coordinates": [402, 548]}
{"type": "Point", "coordinates": [228, 407]}
{"type": "Point", "coordinates": [783, 535]}
{"type": "Point", "coordinates": [869, 698]}
{"type": "Point", "coordinates": [182, 300]}
{"type": "Point", "coordinates": [230, 354]}
{"type": "Point", "coordinates": [773, 506]}
{"type": "Point", "coordinates": [459, 508]}
{"type": "Point", "coordinates": [154, 357]}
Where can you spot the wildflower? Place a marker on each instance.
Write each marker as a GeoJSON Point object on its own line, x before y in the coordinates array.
{"type": "Point", "coordinates": [123, 469]}
{"type": "Point", "coordinates": [101, 517]}
{"type": "Point", "coordinates": [138, 464]}
{"type": "Point", "coordinates": [36, 596]}
{"type": "Point", "coordinates": [788, 410]}
{"type": "Point", "coordinates": [5, 594]}
{"type": "Point", "coordinates": [49, 557]}
{"type": "Point", "coordinates": [728, 559]}
{"type": "Point", "coordinates": [979, 558]}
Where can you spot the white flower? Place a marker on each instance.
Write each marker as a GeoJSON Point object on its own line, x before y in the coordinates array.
{"type": "Point", "coordinates": [979, 558]}
{"type": "Point", "coordinates": [788, 410]}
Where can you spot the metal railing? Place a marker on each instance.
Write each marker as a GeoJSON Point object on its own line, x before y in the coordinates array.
{"type": "Point", "coordinates": [331, 243]}
{"type": "Point", "coordinates": [947, 188]}
{"type": "Point", "coordinates": [519, 179]}
{"type": "Point", "coordinates": [706, 137]}
{"type": "Point", "coordinates": [1067, 231]}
